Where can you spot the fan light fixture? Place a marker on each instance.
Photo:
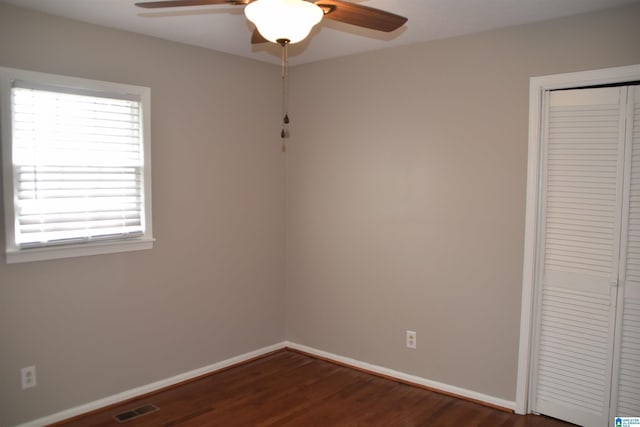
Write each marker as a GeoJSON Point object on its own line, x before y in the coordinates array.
{"type": "Point", "coordinates": [283, 21]}
{"type": "Point", "coordinates": [290, 21]}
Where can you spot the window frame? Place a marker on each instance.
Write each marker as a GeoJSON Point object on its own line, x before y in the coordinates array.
{"type": "Point", "coordinates": [13, 252]}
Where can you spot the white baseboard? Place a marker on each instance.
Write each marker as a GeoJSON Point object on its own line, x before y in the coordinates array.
{"type": "Point", "coordinates": [435, 385]}
{"type": "Point", "coordinates": [149, 388]}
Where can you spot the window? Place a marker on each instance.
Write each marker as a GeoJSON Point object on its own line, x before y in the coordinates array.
{"type": "Point", "coordinates": [76, 166]}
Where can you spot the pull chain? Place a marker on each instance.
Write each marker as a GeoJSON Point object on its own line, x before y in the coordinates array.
{"type": "Point", "coordinates": [284, 133]}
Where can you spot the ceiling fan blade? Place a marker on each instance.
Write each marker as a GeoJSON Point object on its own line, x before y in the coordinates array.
{"type": "Point", "coordinates": [179, 3]}
{"type": "Point", "coordinates": [256, 37]}
{"type": "Point", "coordinates": [362, 16]}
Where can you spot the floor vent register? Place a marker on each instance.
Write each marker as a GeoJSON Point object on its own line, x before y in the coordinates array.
{"type": "Point", "coordinates": [123, 417]}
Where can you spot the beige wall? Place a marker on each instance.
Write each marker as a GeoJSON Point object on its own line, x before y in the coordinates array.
{"type": "Point", "coordinates": [406, 195]}
{"type": "Point", "coordinates": [405, 210]}
{"type": "Point", "coordinates": [212, 287]}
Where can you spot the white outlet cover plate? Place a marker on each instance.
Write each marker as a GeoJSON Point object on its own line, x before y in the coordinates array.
{"type": "Point", "coordinates": [28, 376]}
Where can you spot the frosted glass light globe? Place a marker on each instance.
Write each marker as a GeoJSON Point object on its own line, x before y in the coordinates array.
{"type": "Point", "coordinates": [290, 20]}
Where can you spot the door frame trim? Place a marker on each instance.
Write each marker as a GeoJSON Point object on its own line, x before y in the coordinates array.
{"type": "Point", "coordinates": [537, 88]}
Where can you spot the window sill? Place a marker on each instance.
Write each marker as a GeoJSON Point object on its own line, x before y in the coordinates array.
{"type": "Point", "coordinates": [77, 250]}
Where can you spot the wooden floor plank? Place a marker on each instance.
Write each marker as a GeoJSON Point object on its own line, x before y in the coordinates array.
{"type": "Point", "coordinates": [289, 389]}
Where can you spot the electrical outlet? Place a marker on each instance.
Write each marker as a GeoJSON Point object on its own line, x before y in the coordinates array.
{"type": "Point", "coordinates": [411, 339]}
{"type": "Point", "coordinates": [28, 376]}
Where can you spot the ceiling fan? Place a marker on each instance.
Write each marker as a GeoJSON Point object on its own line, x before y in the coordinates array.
{"type": "Point", "coordinates": [290, 21]}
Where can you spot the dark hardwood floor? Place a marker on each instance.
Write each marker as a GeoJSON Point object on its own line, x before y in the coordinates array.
{"type": "Point", "coordinates": [292, 389]}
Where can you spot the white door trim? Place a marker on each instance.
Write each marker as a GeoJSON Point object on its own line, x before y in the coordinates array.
{"type": "Point", "coordinates": [537, 87]}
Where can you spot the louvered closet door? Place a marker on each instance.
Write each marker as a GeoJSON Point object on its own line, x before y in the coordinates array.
{"type": "Point", "coordinates": [578, 254]}
{"type": "Point", "coordinates": [627, 368]}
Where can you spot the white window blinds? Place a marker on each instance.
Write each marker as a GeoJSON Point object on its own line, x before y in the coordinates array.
{"type": "Point", "coordinates": [78, 166]}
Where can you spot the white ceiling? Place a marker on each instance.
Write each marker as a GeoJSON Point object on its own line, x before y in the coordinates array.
{"type": "Point", "coordinates": [224, 28]}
